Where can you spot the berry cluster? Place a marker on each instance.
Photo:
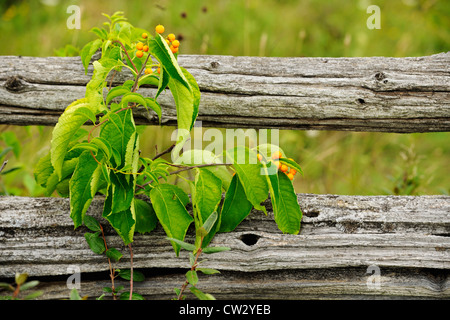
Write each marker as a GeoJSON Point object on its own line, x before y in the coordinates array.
{"type": "Point", "coordinates": [173, 43]}
{"type": "Point", "coordinates": [282, 167]}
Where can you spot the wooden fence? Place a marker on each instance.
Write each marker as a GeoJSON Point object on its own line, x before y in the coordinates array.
{"type": "Point", "coordinates": [367, 247]}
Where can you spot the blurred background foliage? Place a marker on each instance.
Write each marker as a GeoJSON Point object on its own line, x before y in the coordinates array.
{"type": "Point", "coordinates": [333, 162]}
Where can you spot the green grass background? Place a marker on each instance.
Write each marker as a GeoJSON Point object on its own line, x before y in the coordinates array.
{"type": "Point", "coordinates": [333, 162]}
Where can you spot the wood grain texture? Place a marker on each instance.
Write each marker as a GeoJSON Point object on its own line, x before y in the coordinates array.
{"type": "Point", "coordinates": [358, 94]}
{"type": "Point", "coordinates": [341, 236]}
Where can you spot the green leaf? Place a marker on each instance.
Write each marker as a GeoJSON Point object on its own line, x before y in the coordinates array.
{"type": "Point", "coordinates": [292, 164]}
{"type": "Point", "coordinates": [91, 223]}
{"type": "Point", "coordinates": [85, 146]}
{"type": "Point", "coordinates": [251, 175]}
{"type": "Point", "coordinates": [119, 211]}
{"type": "Point", "coordinates": [118, 131]}
{"type": "Point", "coordinates": [160, 50]}
{"type": "Point", "coordinates": [134, 296]}
{"type": "Point", "coordinates": [169, 203]}
{"type": "Point", "coordinates": [43, 170]}
{"type": "Point", "coordinates": [116, 92]}
{"type": "Point", "coordinates": [210, 222]}
{"type": "Point", "coordinates": [87, 113]}
{"type": "Point", "coordinates": [20, 278]}
{"type": "Point", "coordinates": [208, 193]}
{"type": "Point", "coordinates": [155, 107]}
{"type": "Point", "coordinates": [210, 250]}
{"type": "Point", "coordinates": [29, 285]}
{"type": "Point", "coordinates": [103, 145]}
{"type": "Point", "coordinates": [34, 295]}
{"type": "Point", "coordinates": [201, 295]}
{"type": "Point", "coordinates": [74, 295]}
{"type": "Point", "coordinates": [114, 254]}
{"type": "Point", "coordinates": [68, 124]}
{"type": "Point", "coordinates": [186, 100]}
{"type": "Point", "coordinates": [184, 245]}
{"type": "Point", "coordinates": [146, 219]}
{"type": "Point", "coordinates": [83, 186]}
{"type": "Point", "coordinates": [287, 212]}
{"type": "Point", "coordinates": [208, 271]}
{"type": "Point", "coordinates": [88, 51]}
{"type": "Point", "coordinates": [96, 243]}
{"type": "Point", "coordinates": [133, 97]}
{"type": "Point", "coordinates": [101, 33]}
{"type": "Point", "coordinates": [126, 274]}
{"type": "Point", "coordinates": [192, 277]}
{"type": "Point", "coordinates": [236, 206]}
{"type": "Point", "coordinates": [149, 79]}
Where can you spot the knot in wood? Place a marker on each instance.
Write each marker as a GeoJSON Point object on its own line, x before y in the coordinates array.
{"type": "Point", "coordinates": [379, 76]}
{"type": "Point", "coordinates": [214, 64]}
{"type": "Point", "coordinates": [14, 84]}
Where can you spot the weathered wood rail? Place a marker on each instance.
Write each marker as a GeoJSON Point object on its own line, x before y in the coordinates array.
{"type": "Point", "coordinates": [343, 238]}
{"type": "Point", "coordinates": [358, 94]}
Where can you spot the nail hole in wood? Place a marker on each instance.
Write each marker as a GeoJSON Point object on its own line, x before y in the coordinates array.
{"type": "Point", "coordinates": [249, 239]}
{"type": "Point", "coordinates": [361, 101]}
{"type": "Point", "coordinates": [312, 213]}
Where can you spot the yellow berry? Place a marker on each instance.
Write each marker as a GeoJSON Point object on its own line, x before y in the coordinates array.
{"type": "Point", "coordinates": [168, 42]}
{"type": "Point", "coordinates": [144, 35]}
{"type": "Point", "coordinates": [173, 49]}
{"type": "Point", "coordinates": [176, 43]}
{"type": "Point", "coordinates": [277, 164]}
{"type": "Point", "coordinates": [171, 37]}
{"type": "Point", "coordinates": [276, 155]}
{"type": "Point", "coordinates": [159, 28]}
{"type": "Point", "coordinates": [148, 71]}
{"type": "Point", "coordinates": [259, 157]}
{"type": "Point", "coordinates": [139, 45]}
{"type": "Point", "coordinates": [293, 172]}
{"type": "Point", "coordinates": [145, 48]}
{"type": "Point", "coordinates": [290, 176]}
{"type": "Point", "coordinates": [283, 168]}
{"type": "Point", "coordinates": [139, 54]}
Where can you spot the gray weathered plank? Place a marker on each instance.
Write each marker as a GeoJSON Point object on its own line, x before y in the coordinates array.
{"type": "Point", "coordinates": [37, 236]}
{"type": "Point", "coordinates": [358, 94]}
{"type": "Point", "coordinates": [341, 236]}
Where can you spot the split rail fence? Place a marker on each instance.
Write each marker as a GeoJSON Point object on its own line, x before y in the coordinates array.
{"type": "Point", "coordinates": [349, 247]}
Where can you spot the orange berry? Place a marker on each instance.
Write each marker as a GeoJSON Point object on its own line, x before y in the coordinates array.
{"type": "Point", "coordinates": [148, 71]}
{"type": "Point", "coordinates": [159, 70]}
{"type": "Point", "coordinates": [276, 155]}
{"type": "Point", "coordinates": [259, 157]}
{"type": "Point", "coordinates": [159, 28]}
{"type": "Point", "coordinates": [139, 46]}
{"type": "Point", "coordinates": [290, 176]}
{"type": "Point", "coordinates": [283, 168]}
{"type": "Point", "coordinates": [144, 35]}
{"type": "Point", "coordinates": [176, 43]}
{"type": "Point", "coordinates": [173, 49]}
{"type": "Point", "coordinates": [293, 171]}
{"type": "Point", "coordinates": [171, 37]}
{"type": "Point", "coordinates": [139, 54]}
{"type": "Point", "coordinates": [168, 42]}
{"type": "Point", "coordinates": [145, 48]}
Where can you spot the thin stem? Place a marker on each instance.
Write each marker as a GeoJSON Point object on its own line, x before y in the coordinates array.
{"type": "Point", "coordinates": [193, 267]}
{"type": "Point", "coordinates": [3, 165]}
{"type": "Point", "coordinates": [131, 272]}
{"type": "Point", "coordinates": [139, 74]}
{"type": "Point", "coordinates": [169, 149]}
{"type": "Point", "coordinates": [188, 168]}
{"type": "Point", "coordinates": [111, 269]}
{"type": "Point", "coordinates": [126, 52]}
